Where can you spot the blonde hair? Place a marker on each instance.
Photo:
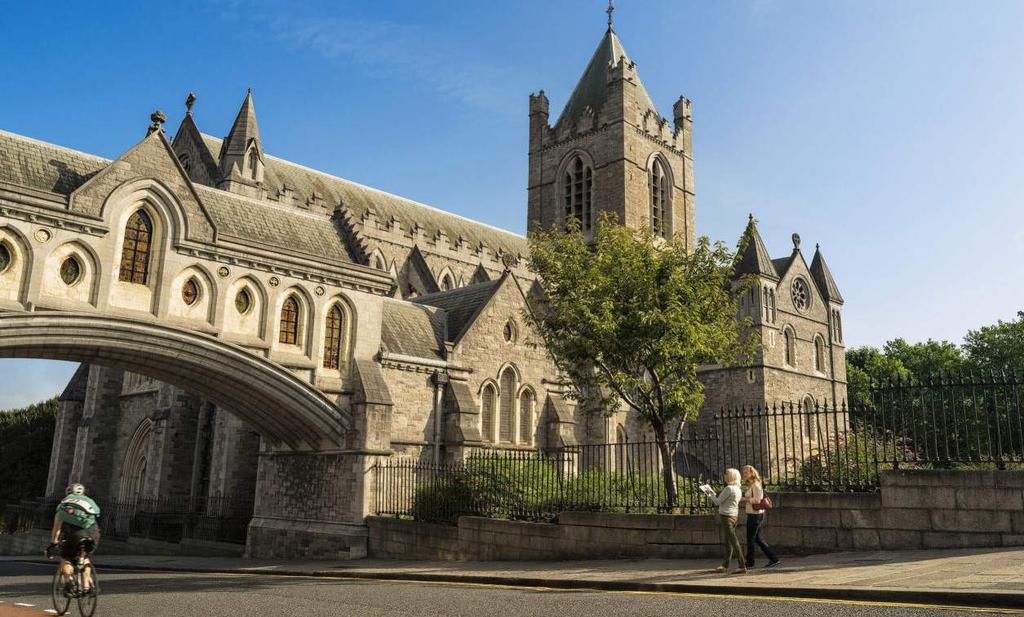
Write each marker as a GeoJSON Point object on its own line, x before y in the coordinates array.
{"type": "Point", "coordinates": [732, 476]}
{"type": "Point", "coordinates": [751, 471]}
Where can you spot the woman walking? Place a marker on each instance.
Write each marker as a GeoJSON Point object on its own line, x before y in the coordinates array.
{"type": "Point", "coordinates": [728, 502]}
{"type": "Point", "coordinates": [755, 517]}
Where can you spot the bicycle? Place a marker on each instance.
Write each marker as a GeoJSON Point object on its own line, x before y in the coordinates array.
{"type": "Point", "coordinates": [63, 591]}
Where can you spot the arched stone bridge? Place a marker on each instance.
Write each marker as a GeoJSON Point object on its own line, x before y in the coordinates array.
{"type": "Point", "coordinates": [283, 408]}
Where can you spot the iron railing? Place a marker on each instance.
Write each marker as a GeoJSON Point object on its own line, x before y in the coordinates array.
{"type": "Point", "coordinates": [941, 422]}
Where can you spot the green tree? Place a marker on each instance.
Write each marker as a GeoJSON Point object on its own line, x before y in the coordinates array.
{"type": "Point", "coordinates": [998, 347]}
{"type": "Point", "coordinates": [26, 436]}
{"type": "Point", "coordinates": [866, 366]}
{"type": "Point", "coordinates": [632, 317]}
{"type": "Point", "coordinates": [928, 358]}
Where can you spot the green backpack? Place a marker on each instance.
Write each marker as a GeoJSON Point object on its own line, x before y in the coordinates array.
{"type": "Point", "coordinates": [78, 510]}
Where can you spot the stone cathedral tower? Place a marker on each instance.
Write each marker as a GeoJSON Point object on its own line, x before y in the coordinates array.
{"type": "Point", "coordinates": [611, 151]}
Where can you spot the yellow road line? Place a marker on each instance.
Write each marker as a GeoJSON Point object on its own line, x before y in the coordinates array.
{"type": "Point", "coordinates": [690, 594]}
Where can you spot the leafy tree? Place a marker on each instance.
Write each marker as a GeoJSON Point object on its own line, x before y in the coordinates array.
{"type": "Point", "coordinates": [26, 436]}
{"type": "Point", "coordinates": [632, 317]}
{"type": "Point", "coordinates": [866, 366]}
{"type": "Point", "coordinates": [928, 358]}
{"type": "Point", "coordinates": [998, 347]}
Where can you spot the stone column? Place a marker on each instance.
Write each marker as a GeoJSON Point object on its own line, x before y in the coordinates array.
{"type": "Point", "coordinates": [96, 440]}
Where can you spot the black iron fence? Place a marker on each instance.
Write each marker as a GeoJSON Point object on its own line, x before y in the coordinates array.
{"type": "Point", "coordinates": [943, 422]}
{"type": "Point", "coordinates": [166, 519]}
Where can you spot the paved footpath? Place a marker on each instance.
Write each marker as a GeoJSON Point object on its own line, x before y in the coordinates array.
{"type": "Point", "coordinates": [969, 577]}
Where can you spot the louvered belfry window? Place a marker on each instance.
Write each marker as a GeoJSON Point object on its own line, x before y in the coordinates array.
{"type": "Point", "coordinates": [332, 339]}
{"type": "Point", "coordinates": [577, 192]}
{"type": "Point", "coordinates": [138, 237]}
{"type": "Point", "coordinates": [290, 322]}
{"type": "Point", "coordinates": [659, 198]}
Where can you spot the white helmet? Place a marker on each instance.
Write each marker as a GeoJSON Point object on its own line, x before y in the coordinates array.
{"type": "Point", "coordinates": [75, 489]}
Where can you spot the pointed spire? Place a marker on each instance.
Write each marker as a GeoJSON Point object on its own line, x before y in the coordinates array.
{"type": "Point", "coordinates": [244, 130]}
{"type": "Point", "coordinates": [241, 152]}
{"type": "Point", "coordinates": [592, 88]}
{"type": "Point", "coordinates": [754, 257]}
{"type": "Point", "coordinates": [823, 277]}
{"type": "Point", "coordinates": [611, 9]}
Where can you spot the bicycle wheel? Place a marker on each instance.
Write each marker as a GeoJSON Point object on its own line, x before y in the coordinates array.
{"type": "Point", "coordinates": [87, 601]}
{"type": "Point", "coordinates": [61, 601]}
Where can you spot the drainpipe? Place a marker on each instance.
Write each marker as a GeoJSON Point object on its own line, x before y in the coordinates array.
{"type": "Point", "coordinates": [439, 379]}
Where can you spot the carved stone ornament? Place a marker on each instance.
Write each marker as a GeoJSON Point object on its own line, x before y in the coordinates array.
{"type": "Point", "coordinates": [223, 272]}
{"type": "Point", "coordinates": [43, 236]}
{"type": "Point", "coordinates": [320, 290]}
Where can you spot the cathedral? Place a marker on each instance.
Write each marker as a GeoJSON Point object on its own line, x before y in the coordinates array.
{"type": "Point", "coordinates": [376, 301]}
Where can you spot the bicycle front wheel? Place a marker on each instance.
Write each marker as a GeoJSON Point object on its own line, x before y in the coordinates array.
{"type": "Point", "coordinates": [61, 601]}
{"type": "Point", "coordinates": [87, 601]}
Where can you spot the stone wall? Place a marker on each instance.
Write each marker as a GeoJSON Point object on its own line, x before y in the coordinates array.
{"type": "Point", "coordinates": [913, 510]}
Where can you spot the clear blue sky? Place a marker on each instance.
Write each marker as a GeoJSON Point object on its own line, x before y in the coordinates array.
{"type": "Point", "coordinates": [887, 131]}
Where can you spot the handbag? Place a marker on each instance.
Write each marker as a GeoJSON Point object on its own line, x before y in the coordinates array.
{"type": "Point", "coordinates": [764, 504]}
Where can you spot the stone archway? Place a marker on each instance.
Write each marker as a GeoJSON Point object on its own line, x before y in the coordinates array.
{"type": "Point", "coordinates": [287, 411]}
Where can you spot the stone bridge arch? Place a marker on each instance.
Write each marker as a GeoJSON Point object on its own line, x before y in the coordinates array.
{"type": "Point", "coordinates": [287, 411]}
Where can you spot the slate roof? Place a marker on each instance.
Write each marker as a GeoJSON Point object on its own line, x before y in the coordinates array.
{"type": "Point", "coordinates": [754, 259]}
{"type": "Point", "coordinates": [358, 198]}
{"type": "Point", "coordinates": [461, 304]}
{"type": "Point", "coordinates": [412, 329]}
{"type": "Point", "coordinates": [280, 228]}
{"type": "Point", "coordinates": [823, 277]}
{"type": "Point", "coordinates": [592, 88]}
{"type": "Point", "coordinates": [781, 264]}
{"type": "Point", "coordinates": [45, 167]}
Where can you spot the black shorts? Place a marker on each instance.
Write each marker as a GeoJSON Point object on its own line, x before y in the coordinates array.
{"type": "Point", "coordinates": [71, 537]}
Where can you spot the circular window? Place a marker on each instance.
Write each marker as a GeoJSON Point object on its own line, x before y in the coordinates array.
{"type": "Point", "coordinates": [190, 292]}
{"type": "Point", "coordinates": [801, 295]}
{"type": "Point", "coordinates": [243, 301]}
{"type": "Point", "coordinates": [5, 257]}
{"type": "Point", "coordinates": [70, 271]}
{"type": "Point", "coordinates": [510, 331]}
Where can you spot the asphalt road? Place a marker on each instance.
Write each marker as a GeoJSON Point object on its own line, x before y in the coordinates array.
{"type": "Point", "coordinates": [149, 594]}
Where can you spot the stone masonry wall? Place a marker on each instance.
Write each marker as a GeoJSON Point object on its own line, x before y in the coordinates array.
{"type": "Point", "coordinates": [913, 510]}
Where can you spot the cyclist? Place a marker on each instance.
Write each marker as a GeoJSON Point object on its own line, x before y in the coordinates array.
{"type": "Point", "coordinates": [74, 530]}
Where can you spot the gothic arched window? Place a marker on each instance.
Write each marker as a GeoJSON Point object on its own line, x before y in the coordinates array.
{"type": "Point", "coordinates": [819, 354]}
{"type": "Point", "coordinates": [790, 341]}
{"type": "Point", "coordinates": [289, 321]}
{"type": "Point", "coordinates": [5, 257]}
{"type": "Point", "coordinates": [447, 284]}
{"type": "Point", "coordinates": [487, 413]}
{"type": "Point", "coordinates": [138, 236]}
{"type": "Point", "coordinates": [332, 338]}
{"type": "Point", "coordinates": [526, 403]}
{"type": "Point", "coordinates": [508, 403]}
{"type": "Point", "coordinates": [810, 418]}
{"type": "Point", "coordinates": [660, 193]}
{"type": "Point", "coordinates": [577, 192]}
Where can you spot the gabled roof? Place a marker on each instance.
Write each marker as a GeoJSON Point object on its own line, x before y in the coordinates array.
{"type": "Point", "coordinates": [461, 305]}
{"type": "Point", "coordinates": [782, 264]}
{"type": "Point", "coordinates": [243, 130]}
{"type": "Point", "coordinates": [44, 166]}
{"type": "Point", "coordinates": [754, 259]}
{"type": "Point", "coordinates": [823, 278]}
{"type": "Point", "coordinates": [592, 88]}
{"type": "Point", "coordinates": [188, 129]}
{"type": "Point", "coordinates": [306, 182]}
{"type": "Point", "coordinates": [412, 329]}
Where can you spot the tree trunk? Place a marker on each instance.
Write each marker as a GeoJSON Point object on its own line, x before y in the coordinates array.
{"type": "Point", "coordinates": [666, 466]}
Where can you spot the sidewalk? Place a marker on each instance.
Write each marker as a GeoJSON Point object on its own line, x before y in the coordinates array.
{"type": "Point", "coordinates": [969, 577]}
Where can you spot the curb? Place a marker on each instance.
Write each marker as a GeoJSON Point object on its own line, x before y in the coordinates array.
{"type": "Point", "coordinates": [930, 598]}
